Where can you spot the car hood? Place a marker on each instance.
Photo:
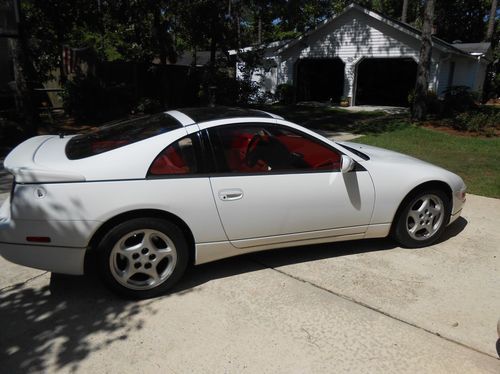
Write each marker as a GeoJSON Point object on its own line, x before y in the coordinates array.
{"type": "Point", "coordinates": [390, 165]}
{"type": "Point", "coordinates": [381, 154]}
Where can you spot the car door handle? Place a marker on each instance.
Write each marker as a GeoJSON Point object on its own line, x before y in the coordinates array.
{"type": "Point", "coordinates": [228, 195]}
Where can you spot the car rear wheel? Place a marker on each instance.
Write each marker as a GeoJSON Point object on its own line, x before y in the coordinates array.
{"type": "Point", "coordinates": [143, 257]}
{"type": "Point", "coordinates": [422, 218]}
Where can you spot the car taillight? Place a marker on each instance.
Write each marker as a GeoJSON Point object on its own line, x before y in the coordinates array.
{"type": "Point", "coordinates": [38, 239]}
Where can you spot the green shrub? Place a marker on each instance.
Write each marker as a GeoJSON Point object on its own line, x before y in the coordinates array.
{"type": "Point", "coordinates": [285, 93]}
{"type": "Point", "coordinates": [434, 105]}
{"type": "Point", "coordinates": [11, 132]}
{"type": "Point", "coordinates": [484, 121]}
{"type": "Point", "coordinates": [383, 125]}
{"type": "Point", "coordinates": [81, 96]}
{"type": "Point", "coordinates": [459, 99]}
{"type": "Point", "coordinates": [86, 97]}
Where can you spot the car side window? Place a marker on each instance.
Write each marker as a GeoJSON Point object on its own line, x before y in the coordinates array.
{"type": "Point", "coordinates": [270, 148]}
{"type": "Point", "coordinates": [178, 158]}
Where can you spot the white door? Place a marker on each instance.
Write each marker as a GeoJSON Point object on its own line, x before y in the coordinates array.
{"type": "Point", "coordinates": [280, 184]}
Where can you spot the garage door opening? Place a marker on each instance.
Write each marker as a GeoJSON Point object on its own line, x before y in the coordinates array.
{"type": "Point", "coordinates": [385, 81]}
{"type": "Point", "coordinates": [320, 79]}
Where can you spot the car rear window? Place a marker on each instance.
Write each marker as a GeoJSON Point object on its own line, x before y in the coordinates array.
{"type": "Point", "coordinates": [119, 134]}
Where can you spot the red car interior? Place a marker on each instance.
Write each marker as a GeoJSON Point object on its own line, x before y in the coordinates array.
{"type": "Point", "coordinates": [314, 155]}
{"type": "Point", "coordinates": [236, 142]}
{"type": "Point", "coordinates": [169, 161]}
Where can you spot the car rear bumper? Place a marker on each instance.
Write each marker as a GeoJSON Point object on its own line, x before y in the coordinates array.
{"type": "Point", "coordinates": [65, 260]}
{"type": "Point", "coordinates": [59, 259]}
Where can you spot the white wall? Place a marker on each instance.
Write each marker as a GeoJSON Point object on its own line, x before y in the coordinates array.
{"type": "Point", "coordinates": [468, 72]}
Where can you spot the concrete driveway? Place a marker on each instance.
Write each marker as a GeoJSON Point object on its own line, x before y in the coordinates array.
{"type": "Point", "coordinates": [353, 307]}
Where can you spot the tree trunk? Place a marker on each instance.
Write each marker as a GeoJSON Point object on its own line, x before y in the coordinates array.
{"type": "Point", "coordinates": [491, 21]}
{"type": "Point", "coordinates": [405, 11]}
{"type": "Point", "coordinates": [419, 108]}
{"type": "Point", "coordinates": [238, 30]}
{"type": "Point", "coordinates": [213, 50]}
{"type": "Point", "coordinates": [159, 34]}
{"type": "Point", "coordinates": [23, 73]}
{"type": "Point", "coordinates": [212, 70]}
{"type": "Point", "coordinates": [259, 30]}
{"type": "Point", "coordinates": [160, 42]}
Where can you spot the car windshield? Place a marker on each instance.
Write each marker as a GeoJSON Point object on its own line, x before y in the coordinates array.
{"type": "Point", "coordinates": [119, 134]}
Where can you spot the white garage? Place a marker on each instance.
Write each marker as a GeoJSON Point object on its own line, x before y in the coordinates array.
{"type": "Point", "coordinates": [369, 58]}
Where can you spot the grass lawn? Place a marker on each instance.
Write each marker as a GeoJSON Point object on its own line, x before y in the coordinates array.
{"type": "Point", "coordinates": [476, 160]}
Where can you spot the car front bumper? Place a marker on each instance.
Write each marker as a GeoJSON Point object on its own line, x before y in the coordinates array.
{"type": "Point", "coordinates": [455, 216]}
{"type": "Point", "coordinates": [58, 259]}
{"type": "Point", "coordinates": [459, 199]}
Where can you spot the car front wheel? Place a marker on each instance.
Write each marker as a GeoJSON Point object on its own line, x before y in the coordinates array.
{"type": "Point", "coordinates": [422, 218]}
{"type": "Point", "coordinates": [143, 257]}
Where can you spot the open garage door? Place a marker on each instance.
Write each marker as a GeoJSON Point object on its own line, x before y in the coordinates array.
{"type": "Point", "coordinates": [385, 81]}
{"type": "Point", "coordinates": [320, 79]}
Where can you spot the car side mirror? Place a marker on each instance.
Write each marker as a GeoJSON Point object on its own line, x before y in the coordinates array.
{"type": "Point", "coordinates": [346, 164]}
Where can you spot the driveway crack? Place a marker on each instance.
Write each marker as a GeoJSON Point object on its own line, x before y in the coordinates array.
{"type": "Point", "coordinates": [20, 284]}
{"type": "Point", "coordinates": [363, 304]}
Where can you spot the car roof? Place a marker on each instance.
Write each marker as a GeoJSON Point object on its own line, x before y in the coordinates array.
{"type": "Point", "coordinates": [189, 116]}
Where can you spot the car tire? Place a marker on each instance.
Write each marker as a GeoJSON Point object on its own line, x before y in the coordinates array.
{"type": "Point", "coordinates": [422, 218]}
{"type": "Point", "coordinates": [142, 258]}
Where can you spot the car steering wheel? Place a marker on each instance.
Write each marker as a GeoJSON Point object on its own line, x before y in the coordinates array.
{"type": "Point", "coordinates": [252, 144]}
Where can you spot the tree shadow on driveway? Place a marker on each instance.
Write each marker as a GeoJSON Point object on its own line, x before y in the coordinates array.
{"type": "Point", "coordinates": [53, 327]}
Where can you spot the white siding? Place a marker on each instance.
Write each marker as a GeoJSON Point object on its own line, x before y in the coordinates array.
{"type": "Point", "coordinates": [480, 76]}
{"type": "Point", "coordinates": [471, 73]}
{"type": "Point", "coordinates": [351, 37]}
{"type": "Point", "coordinates": [464, 72]}
{"type": "Point", "coordinates": [443, 77]}
{"type": "Point", "coordinates": [468, 72]}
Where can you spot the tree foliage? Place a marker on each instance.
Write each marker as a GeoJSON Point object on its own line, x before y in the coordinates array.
{"type": "Point", "coordinates": [142, 30]}
{"type": "Point", "coordinates": [462, 20]}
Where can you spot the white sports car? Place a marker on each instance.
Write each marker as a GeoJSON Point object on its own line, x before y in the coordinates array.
{"type": "Point", "coordinates": [151, 195]}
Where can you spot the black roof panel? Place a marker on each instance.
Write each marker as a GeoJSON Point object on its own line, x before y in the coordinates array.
{"type": "Point", "coordinates": [213, 113]}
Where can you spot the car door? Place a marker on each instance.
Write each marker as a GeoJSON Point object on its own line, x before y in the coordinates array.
{"type": "Point", "coordinates": [275, 184]}
{"type": "Point", "coordinates": [178, 183]}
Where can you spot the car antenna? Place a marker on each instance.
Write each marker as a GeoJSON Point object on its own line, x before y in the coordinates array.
{"type": "Point", "coordinates": [61, 135]}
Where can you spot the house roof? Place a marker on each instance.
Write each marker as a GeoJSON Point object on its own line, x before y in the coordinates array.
{"type": "Point", "coordinates": [474, 48]}
{"type": "Point", "coordinates": [401, 26]}
{"type": "Point", "coordinates": [268, 48]}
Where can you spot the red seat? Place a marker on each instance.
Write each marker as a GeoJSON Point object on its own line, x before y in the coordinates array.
{"type": "Point", "coordinates": [169, 162]}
